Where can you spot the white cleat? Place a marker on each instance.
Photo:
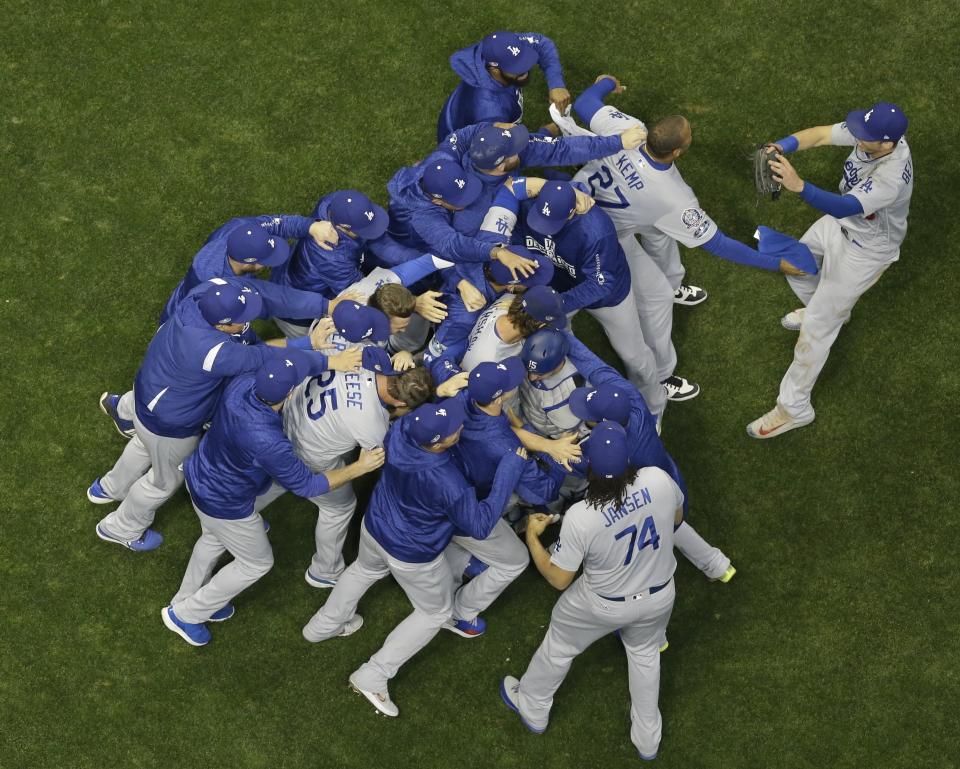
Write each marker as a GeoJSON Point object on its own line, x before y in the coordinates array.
{"type": "Point", "coordinates": [680, 389]}
{"type": "Point", "coordinates": [351, 626]}
{"type": "Point", "coordinates": [380, 700]}
{"type": "Point", "coordinates": [689, 295]}
{"type": "Point", "coordinates": [775, 422]}
{"type": "Point", "coordinates": [792, 320]}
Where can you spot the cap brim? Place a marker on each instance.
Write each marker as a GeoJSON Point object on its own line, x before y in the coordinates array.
{"type": "Point", "coordinates": [541, 276]}
{"type": "Point", "coordinates": [375, 227]}
{"type": "Point", "coordinates": [279, 255]}
{"type": "Point", "coordinates": [516, 372]}
{"type": "Point", "coordinates": [540, 223]}
{"type": "Point", "coordinates": [579, 406]}
{"type": "Point", "coordinates": [381, 327]}
{"type": "Point", "coordinates": [377, 359]}
{"type": "Point", "coordinates": [520, 137]}
{"type": "Point", "coordinates": [251, 307]}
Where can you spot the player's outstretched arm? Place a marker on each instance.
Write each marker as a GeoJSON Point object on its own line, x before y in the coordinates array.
{"type": "Point", "coordinates": [817, 136]}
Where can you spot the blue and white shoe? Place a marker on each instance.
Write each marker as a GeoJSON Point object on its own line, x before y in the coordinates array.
{"type": "Point", "coordinates": [475, 567]}
{"type": "Point", "coordinates": [108, 405]}
{"type": "Point", "coordinates": [320, 582]}
{"type": "Point", "coordinates": [222, 614]}
{"type": "Point", "coordinates": [195, 634]}
{"type": "Point", "coordinates": [98, 496]}
{"type": "Point", "coordinates": [467, 629]}
{"type": "Point", "coordinates": [509, 693]}
{"type": "Point", "coordinates": [149, 540]}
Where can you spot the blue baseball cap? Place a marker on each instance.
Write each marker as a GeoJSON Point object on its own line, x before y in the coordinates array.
{"type": "Point", "coordinates": [226, 302]}
{"type": "Point", "coordinates": [595, 404]}
{"type": "Point", "coordinates": [509, 52]}
{"type": "Point", "coordinates": [490, 379]}
{"type": "Point", "coordinates": [447, 181]}
{"type": "Point", "coordinates": [252, 244]}
{"type": "Point", "coordinates": [356, 322]}
{"type": "Point", "coordinates": [279, 375]}
{"type": "Point", "coordinates": [377, 359]}
{"type": "Point", "coordinates": [552, 208]}
{"type": "Point", "coordinates": [492, 145]}
{"type": "Point", "coordinates": [607, 450]}
{"type": "Point", "coordinates": [544, 304]}
{"type": "Point", "coordinates": [541, 276]}
{"type": "Point", "coordinates": [883, 122]}
{"type": "Point", "coordinates": [358, 213]}
{"type": "Point", "coordinates": [544, 350]}
{"type": "Point", "coordinates": [432, 422]}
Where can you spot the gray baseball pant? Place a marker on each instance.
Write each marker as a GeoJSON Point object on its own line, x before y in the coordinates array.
{"type": "Point", "coordinates": [429, 587]}
{"type": "Point", "coordinates": [290, 330]}
{"type": "Point", "coordinates": [579, 618]}
{"type": "Point", "coordinates": [202, 592]}
{"type": "Point", "coordinates": [506, 558]}
{"type": "Point", "coordinates": [146, 475]}
{"type": "Point", "coordinates": [126, 406]}
{"type": "Point", "coordinates": [666, 255]}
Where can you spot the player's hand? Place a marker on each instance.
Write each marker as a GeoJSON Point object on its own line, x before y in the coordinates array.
{"type": "Point", "coordinates": [773, 148]}
{"type": "Point", "coordinates": [584, 201]}
{"type": "Point", "coordinates": [564, 449]}
{"type": "Point", "coordinates": [430, 307]}
{"type": "Point", "coordinates": [473, 300]}
{"type": "Point", "coordinates": [537, 523]}
{"type": "Point", "coordinates": [320, 333]}
{"type": "Point", "coordinates": [325, 235]}
{"type": "Point", "coordinates": [519, 266]}
{"type": "Point", "coordinates": [403, 361]}
{"type": "Point", "coordinates": [788, 269]}
{"type": "Point", "coordinates": [785, 173]}
{"type": "Point", "coordinates": [618, 89]}
{"type": "Point", "coordinates": [453, 385]}
{"type": "Point", "coordinates": [633, 137]}
{"type": "Point", "coordinates": [346, 296]}
{"type": "Point", "coordinates": [370, 459]}
{"type": "Point", "coordinates": [551, 128]}
{"type": "Point", "coordinates": [348, 360]}
{"type": "Point", "coordinates": [559, 97]}
{"type": "Point", "coordinates": [522, 453]}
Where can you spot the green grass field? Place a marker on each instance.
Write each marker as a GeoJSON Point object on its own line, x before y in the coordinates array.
{"type": "Point", "coordinates": [131, 130]}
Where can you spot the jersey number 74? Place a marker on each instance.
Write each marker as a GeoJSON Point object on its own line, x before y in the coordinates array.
{"type": "Point", "coordinates": [647, 535]}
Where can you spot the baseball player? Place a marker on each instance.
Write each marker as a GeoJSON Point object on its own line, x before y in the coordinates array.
{"type": "Point", "coordinates": [237, 458]}
{"type": "Point", "coordinates": [856, 240]}
{"type": "Point", "coordinates": [205, 341]}
{"type": "Point", "coordinates": [493, 73]}
{"type": "Point", "coordinates": [644, 195]}
{"type": "Point", "coordinates": [622, 535]}
{"type": "Point", "coordinates": [420, 501]}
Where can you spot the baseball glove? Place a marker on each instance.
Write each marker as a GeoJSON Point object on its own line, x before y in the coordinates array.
{"type": "Point", "coordinates": [763, 174]}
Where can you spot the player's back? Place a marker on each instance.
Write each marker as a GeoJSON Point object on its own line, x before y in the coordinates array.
{"type": "Point", "coordinates": [485, 343]}
{"type": "Point", "coordinates": [628, 548]}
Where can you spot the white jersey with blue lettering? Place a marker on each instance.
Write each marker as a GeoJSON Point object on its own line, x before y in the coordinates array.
{"type": "Point", "coordinates": [331, 414]}
{"type": "Point", "coordinates": [883, 187]}
{"type": "Point", "coordinates": [484, 343]}
{"type": "Point", "coordinates": [639, 195]}
{"type": "Point", "coordinates": [624, 550]}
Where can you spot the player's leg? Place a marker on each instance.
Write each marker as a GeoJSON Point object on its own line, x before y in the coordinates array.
{"type": "Point", "coordinates": [151, 490]}
{"type": "Point", "coordinates": [133, 463]}
{"type": "Point", "coordinates": [709, 559]}
{"type": "Point", "coordinates": [815, 238]}
{"type": "Point", "coordinates": [270, 495]}
{"type": "Point", "coordinates": [126, 407]}
{"type": "Point", "coordinates": [206, 552]}
{"type": "Point", "coordinates": [429, 587]}
{"type": "Point", "coordinates": [641, 640]}
{"type": "Point", "coordinates": [247, 542]}
{"type": "Point", "coordinates": [369, 567]}
{"type": "Point", "coordinates": [575, 623]}
{"type": "Point", "coordinates": [666, 255]}
{"type": "Point", "coordinates": [457, 559]}
{"type": "Point", "coordinates": [335, 510]}
{"type": "Point", "coordinates": [622, 327]}
{"type": "Point", "coordinates": [506, 558]}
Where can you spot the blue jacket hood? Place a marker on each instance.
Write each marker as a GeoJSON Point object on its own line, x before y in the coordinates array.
{"type": "Point", "coordinates": [469, 65]}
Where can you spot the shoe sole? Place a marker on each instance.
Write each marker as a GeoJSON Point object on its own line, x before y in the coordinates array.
{"type": "Point", "coordinates": [728, 575]}
{"type": "Point", "coordinates": [107, 538]}
{"type": "Point", "coordinates": [373, 700]}
{"type": "Point", "coordinates": [509, 703]}
{"type": "Point", "coordinates": [103, 408]}
{"type": "Point", "coordinates": [689, 303]}
{"type": "Point", "coordinates": [789, 326]}
{"type": "Point", "coordinates": [345, 632]}
{"type": "Point", "coordinates": [320, 584]}
{"type": "Point", "coordinates": [171, 625]}
{"type": "Point", "coordinates": [778, 431]}
{"type": "Point", "coordinates": [223, 619]}
{"type": "Point", "coordinates": [101, 500]}
{"type": "Point", "coordinates": [680, 398]}
{"type": "Point", "coordinates": [461, 633]}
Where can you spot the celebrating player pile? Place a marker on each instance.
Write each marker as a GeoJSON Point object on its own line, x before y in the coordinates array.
{"type": "Point", "coordinates": [433, 339]}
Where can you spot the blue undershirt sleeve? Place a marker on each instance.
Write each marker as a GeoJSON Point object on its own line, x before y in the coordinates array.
{"type": "Point", "coordinates": [739, 253]}
{"type": "Point", "coordinates": [591, 100]}
{"type": "Point", "coordinates": [839, 206]}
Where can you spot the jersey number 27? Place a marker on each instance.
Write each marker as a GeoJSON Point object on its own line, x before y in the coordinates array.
{"type": "Point", "coordinates": [604, 179]}
{"type": "Point", "coordinates": [647, 535]}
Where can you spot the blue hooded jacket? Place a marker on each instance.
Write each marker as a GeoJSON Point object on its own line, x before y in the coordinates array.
{"type": "Point", "coordinates": [242, 452]}
{"type": "Point", "coordinates": [211, 260]}
{"type": "Point", "coordinates": [481, 99]}
{"type": "Point", "coordinates": [181, 377]}
{"type": "Point", "coordinates": [422, 499]}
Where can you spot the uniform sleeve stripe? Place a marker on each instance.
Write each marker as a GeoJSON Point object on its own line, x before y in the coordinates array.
{"type": "Point", "coordinates": [211, 357]}
{"type": "Point", "coordinates": [151, 404]}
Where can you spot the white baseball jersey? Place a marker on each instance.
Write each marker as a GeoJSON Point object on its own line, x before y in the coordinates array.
{"type": "Point", "coordinates": [883, 187]}
{"type": "Point", "coordinates": [544, 404]}
{"type": "Point", "coordinates": [639, 195]}
{"type": "Point", "coordinates": [624, 550]}
{"type": "Point", "coordinates": [484, 343]}
{"type": "Point", "coordinates": [330, 414]}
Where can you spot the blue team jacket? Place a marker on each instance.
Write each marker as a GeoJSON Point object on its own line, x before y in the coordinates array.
{"type": "Point", "coordinates": [481, 99]}
{"type": "Point", "coordinates": [243, 450]}
{"type": "Point", "coordinates": [211, 260]}
{"type": "Point", "coordinates": [180, 379]}
{"type": "Point", "coordinates": [422, 499]}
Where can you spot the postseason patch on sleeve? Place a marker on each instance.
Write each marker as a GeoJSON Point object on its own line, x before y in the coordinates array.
{"type": "Point", "coordinates": [695, 220]}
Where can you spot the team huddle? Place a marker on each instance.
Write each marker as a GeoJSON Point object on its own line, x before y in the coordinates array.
{"type": "Point", "coordinates": [432, 341]}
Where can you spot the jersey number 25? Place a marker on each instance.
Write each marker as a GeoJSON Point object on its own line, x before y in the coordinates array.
{"type": "Point", "coordinates": [648, 536]}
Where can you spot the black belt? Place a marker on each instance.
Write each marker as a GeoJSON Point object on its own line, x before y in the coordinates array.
{"type": "Point", "coordinates": [636, 596]}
